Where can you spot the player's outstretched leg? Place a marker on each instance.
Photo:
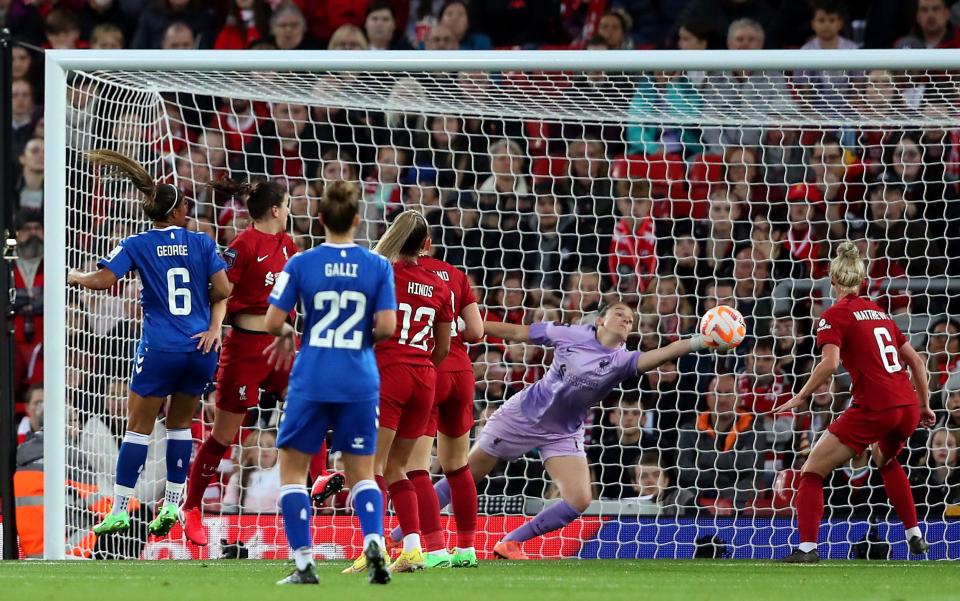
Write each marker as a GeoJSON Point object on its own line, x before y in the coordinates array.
{"type": "Point", "coordinates": [295, 507]}
{"type": "Point", "coordinates": [130, 462]}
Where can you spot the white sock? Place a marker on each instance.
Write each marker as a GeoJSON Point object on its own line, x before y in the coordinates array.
{"type": "Point", "coordinates": [374, 538]}
{"type": "Point", "coordinates": [465, 550]}
{"type": "Point", "coordinates": [411, 542]}
{"type": "Point", "coordinates": [303, 557]}
{"type": "Point", "coordinates": [807, 547]}
{"type": "Point", "coordinates": [915, 531]}
{"type": "Point", "coordinates": [174, 492]}
{"type": "Point", "coordinates": [121, 499]}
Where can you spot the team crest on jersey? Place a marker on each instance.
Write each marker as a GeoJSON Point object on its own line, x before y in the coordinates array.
{"type": "Point", "coordinates": [604, 365]}
{"type": "Point", "coordinates": [230, 257]}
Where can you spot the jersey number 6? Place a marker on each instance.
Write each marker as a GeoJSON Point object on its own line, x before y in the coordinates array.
{"type": "Point", "coordinates": [888, 353]}
{"type": "Point", "coordinates": [178, 299]}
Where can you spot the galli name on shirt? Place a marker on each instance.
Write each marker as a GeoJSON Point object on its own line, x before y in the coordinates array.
{"type": "Point", "coordinates": [343, 270]}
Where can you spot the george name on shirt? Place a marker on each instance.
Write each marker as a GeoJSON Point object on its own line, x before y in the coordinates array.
{"type": "Point", "coordinates": [172, 250]}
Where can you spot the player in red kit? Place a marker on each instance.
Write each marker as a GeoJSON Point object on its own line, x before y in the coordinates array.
{"type": "Point", "coordinates": [885, 411]}
{"type": "Point", "coordinates": [408, 374]}
{"type": "Point", "coordinates": [254, 259]}
{"type": "Point", "coordinates": [450, 421]}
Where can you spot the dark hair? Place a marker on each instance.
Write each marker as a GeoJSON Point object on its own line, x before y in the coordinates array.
{"type": "Point", "coordinates": [158, 200]}
{"type": "Point", "coordinates": [381, 5]}
{"type": "Point", "coordinates": [702, 29]}
{"type": "Point", "coordinates": [766, 342]}
{"type": "Point", "coordinates": [597, 40]}
{"type": "Point", "coordinates": [261, 196]}
{"type": "Point", "coordinates": [450, 3]}
{"type": "Point", "coordinates": [61, 20]}
{"type": "Point", "coordinates": [605, 307]}
{"type": "Point", "coordinates": [261, 17]}
{"type": "Point", "coordinates": [339, 206]}
{"type": "Point", "coordinates": [831, 7]}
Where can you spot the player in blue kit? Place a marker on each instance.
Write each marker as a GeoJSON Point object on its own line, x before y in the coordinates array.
{"type": "Point", "coordinates": [347, 296]}
{"type": "Point", "coordinates": [183, 284]}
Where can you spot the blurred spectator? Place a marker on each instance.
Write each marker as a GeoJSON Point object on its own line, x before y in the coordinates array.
{"type": "Point", "coordinates": [548, 243]}
{"type": "Point", "coordinates": [721, 458]}
{"type": "Point", "coordinates": [518, 22]}
{"type": "Point", "coordinates": [666, 298]}
{"type": "Point", "coordinates": [32, 422]}
{"type": "Point", "coordinates": [723, 13]}
{"type": "Point", "coordinates": [899, 224]}
{"type": "Point", "coordinates": [950, 398]}
{"type": "Point", "coordinates": [591, 189]}
{"type": "Point", "coordinates": [381, 27]}
{"type": "Point", "coordinates": [827, 24]}
{"type": "Point", "coordinates": [381, 193]}
{"type": "Point", "coordinates": [27, 295]}
{"type": "Point", "coordinates": [933, 28]}
{"type": "Point", "coordinates": [826, 89]}
{"type": "Point", "coordinates": [804, 246]}
{"type": "Point", "coordinates": [288, 29]}
{"type": "Point", "coordinates": [943, 354]}
{"type": "Point", "coordinates": [456, 19]}
{"type": "Point", "coordinates": [283, 148]}
{"type": "Point", "coordinates": [440, 38]}
{"type": "Point", "coordinates": [247, 21]}
{"type": "Point", "coordinates": [29, 187]}
{"type": "Point", "coordinates": [178, 36]}
{"type": "Point", "coordinates": [62, 28]}
{"type": "Point", "coordinates": [619, 448]}
{"type": "Point", "coordinates": [762, 386]}
{"type": "Point", "coordinates": [347, 37]}
{"type": "Point", "coordinates": [581, 295]}
{"type": "Point", "coordinates": [255, 486]}
{"type": "Point", "coordinates": [715, 234]}
{"type": "Point", "coordinates": [822, 409]}
{"type": "Point", "coordinates": [304, 208]}
{"type": "Point", "coordinates": [97, 13]}
{"type": "Point", "coordinates": [238, 119]}
{"type": "Point", "coordinates": [615, 27]}
{"type": "Point", "coordinates": [25, 112]}
{"type": "Point", "coordinates": [323, 17]}
{"type": "Point", "coordinates": [936, 481]}
{"type": "Point", "coordinates": [107, 36]}
{"type": "Point", "coordinates": [156, 19]}
{"type": "Point", "coordinates": [446, 153]}
{"type": "Point", "coordinates": [461, 239]}
{"type": "Point", "coordinates": [652, 486]}
{"type": "Point", "coordinates": [633, 251]}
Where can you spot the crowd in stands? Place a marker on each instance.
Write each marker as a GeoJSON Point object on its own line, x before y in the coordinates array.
{"type": "Point", "coordinates": [550, 219]}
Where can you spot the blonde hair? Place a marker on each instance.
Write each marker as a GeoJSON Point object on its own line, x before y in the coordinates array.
{"type": "Point", "coordinates": [404, 237]}
{"type": "Point", "coordinates": [847, 269]}
{"type": "Point", "coordinates": [343, 33]}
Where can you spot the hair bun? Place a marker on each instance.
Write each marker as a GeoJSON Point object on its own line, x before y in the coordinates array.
{"type": "Point", "coordinates": [848, 250]}
{"type": "Point", "coordinates": [341, 191]}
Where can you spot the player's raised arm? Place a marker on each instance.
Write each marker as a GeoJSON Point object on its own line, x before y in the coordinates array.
{"type": "Point", "coordinates": [918, 373]}
{"type": "Point", "coordinates": [821, 373]}
{"type": "Point", "coordinates": [506, 331]}
{"type": "Point", "coordinates": [101, 279]}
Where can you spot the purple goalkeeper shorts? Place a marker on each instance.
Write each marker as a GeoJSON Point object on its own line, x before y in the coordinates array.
{"type": "Point", "coordinates": [510, 434]}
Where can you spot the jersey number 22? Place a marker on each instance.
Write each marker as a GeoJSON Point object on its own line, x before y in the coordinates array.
{"type": "Point", "coordinates": [344, 336]}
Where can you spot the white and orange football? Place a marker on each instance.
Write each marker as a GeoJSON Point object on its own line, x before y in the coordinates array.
{"type": "Point", "coordinates": [723, 328]}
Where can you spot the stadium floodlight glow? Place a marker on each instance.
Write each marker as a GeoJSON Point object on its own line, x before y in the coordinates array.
{"type": "Point", "coordinates": [692, 125]}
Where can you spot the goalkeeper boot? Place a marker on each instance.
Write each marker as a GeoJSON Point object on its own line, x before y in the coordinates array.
{"type": "Point", "coordinates": [307, 575]}
{"type": "Point", "coordinates": [193, 527]}
{"type": "Point", "coordinates": [799, 556]}
{"type": "Point", "coordinates": [918, 546]}
{"type": "Point", "coordinates": [465, 558]}
{"type": "Point", "coordinates": [166, 518]}
{"type": "Point", "coordinates": [408, 561]}
{"type": "Point", "coordinates": [326, 486]}
{"type": "Point", "coordinates": [509, 549]}
{"type": "Point", "coordinates": [377, 572]}
{"type": "Point", "coordinates": [113, 523]}
{"type": "Point", "coordinates": [437, 559]}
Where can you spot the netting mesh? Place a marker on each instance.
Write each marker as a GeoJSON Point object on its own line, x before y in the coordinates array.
{"type": "Point", "coordinates": [555, 191]}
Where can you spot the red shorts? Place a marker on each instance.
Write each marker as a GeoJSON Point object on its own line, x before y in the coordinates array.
{"type": "Point", "coordinates": [406, 398]}
{"type": "Point", "coordinates": [453, 410]}
{"type": "Point", "coordinates": [859, 428]}
{"type": "Point", "coordinates": [244, 371]}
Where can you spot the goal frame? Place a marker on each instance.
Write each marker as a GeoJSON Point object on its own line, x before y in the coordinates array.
{"type": "Point", "coordinates": [58, 63]}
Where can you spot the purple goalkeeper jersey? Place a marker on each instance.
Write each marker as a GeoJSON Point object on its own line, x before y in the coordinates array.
{"type": "Point", "coordinates": [583, 373]}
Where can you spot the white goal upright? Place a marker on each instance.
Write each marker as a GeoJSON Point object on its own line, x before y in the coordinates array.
{"type": "Point", "coordinates": [673, 180]}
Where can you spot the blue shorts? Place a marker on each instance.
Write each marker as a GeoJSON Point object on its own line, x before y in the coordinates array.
{"type": "Point", "coordinates": [162, 373]}
{"type": "Point", "coordinates": [304, 426]}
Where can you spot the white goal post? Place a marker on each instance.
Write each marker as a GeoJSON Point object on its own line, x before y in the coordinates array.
{"type": "Point", "coordinates": [364, 82]}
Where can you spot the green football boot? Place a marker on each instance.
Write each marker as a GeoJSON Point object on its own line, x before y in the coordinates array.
{"type": "Point", "coordinates": [437, 559]}
{"type": "Point", "coordinates": [465, 559]}
{"type": "Point", "coordinates": [114, 522]}
{"type": "Point", "coordinates": [166, 518]}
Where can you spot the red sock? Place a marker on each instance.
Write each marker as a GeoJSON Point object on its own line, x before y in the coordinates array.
{"type": "Point", "coordinates": [404, 497]}
{"type": "Point", "coordinates": [463, 497]}
{"type": "Point", "coordinates": [318, 463]}
{"type": "Point", "coordinates": [204, 468]}
{"type": "Point", "coordinates": [429, 509]}
{"type": "Point", "coordinates": [382, 484]}
{"type": "Point", "coordinates": [897, 485]}
{"type": "Point", "coordinates": [809, 505]}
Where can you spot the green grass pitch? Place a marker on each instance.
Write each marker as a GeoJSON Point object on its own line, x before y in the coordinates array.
{"type": "Point", "coordinates": [493, 581]}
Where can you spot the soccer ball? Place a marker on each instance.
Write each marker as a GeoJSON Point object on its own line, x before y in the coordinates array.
{"type": "Point", "coordinates": [723, 328]}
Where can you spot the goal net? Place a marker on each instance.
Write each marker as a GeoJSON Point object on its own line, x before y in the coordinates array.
{"type": "Point", "coordinates": [557, 182]}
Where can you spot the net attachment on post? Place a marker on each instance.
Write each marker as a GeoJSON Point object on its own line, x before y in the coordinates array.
{"type": "Point", "coordinates": [556, 191]}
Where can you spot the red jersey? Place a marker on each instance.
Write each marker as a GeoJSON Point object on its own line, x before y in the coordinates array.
{"type": "Point", "coordinates": [254, 260]}
{"type": "Point", "coordinates": [461, 294]}
{"type": "Point", "coordinates": [755, 398]}
{"type": "Point", "coordinates": [869, 344]}
{"type": "Point", "coordinates": [422, 300]}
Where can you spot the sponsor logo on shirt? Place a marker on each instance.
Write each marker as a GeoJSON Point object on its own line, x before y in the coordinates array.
{"type": "Point", "coordinates": [230, 257]}
{"type": "Point", "coordinates": [823, 325]}
{"type": "Point", "coordinates": [263, 258]}
{"type": "Point", "coordinates": [603, 366]}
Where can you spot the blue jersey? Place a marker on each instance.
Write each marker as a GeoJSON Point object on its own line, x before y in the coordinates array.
{"type": "Point", "coordinates": [175, 267]}
{"type": "Point", "coordinates": [340, 288]}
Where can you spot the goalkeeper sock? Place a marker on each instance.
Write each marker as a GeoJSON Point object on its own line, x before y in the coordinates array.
{"type": "Point", "coordinates": [549, 519]}
{"type": "Point", "coordinates": [367, 502]}
{"type": "Point", "coordinates": [295, 507]}
{"type": "Point", "coordinates": [897, 486]}
{"type": "Point", "coordinates": [404, 498]}
{"type": "Point", "coordinates": [204, 468]}
{"type": "Point", "coordinates": [179, 447]}
{"type": "Point", "coordinates": [809, 506]}
{"type": "Point", "coordinates": [442, 488]}
{"type": "Point", "coordinates": [130, 461]}
{"type": "Point", "coordinates": [429, 509]}
{"type": "Point", "coordinates": [463, 491]}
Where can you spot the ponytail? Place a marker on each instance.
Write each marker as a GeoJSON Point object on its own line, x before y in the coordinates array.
{"type": "Point", "coordinates": [260, 196]}
{"type": "Point", "coordinates": [158, 200]}
{"type": "Point", "coordinates": [404, 237]}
